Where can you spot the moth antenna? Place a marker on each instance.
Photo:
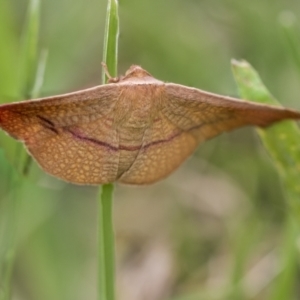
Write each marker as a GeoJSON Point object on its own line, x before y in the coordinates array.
{"type": "Point", "coordinates": [110, 78]}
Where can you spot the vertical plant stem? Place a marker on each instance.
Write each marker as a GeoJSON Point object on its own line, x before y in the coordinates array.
{"type": "Point", "coordinates": [111, 36]}
{"type": "Point", "coordinates": [106, 254]}
{"type": "Point", "coordinates": [28, 65]}
{"type": "Point", "coordinates": [37, 84]}
{"type": "Point", "coordinates": [106, 245]}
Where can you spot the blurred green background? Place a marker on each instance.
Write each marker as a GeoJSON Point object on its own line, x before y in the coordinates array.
{"type": "Point", "coordinates": [212, 230]}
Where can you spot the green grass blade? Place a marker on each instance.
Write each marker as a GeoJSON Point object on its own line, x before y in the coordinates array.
{"type": "Point", "coordinates": [39, 75]}
{"type": "Point", "coordinates": [28, 66]}
{"type": "Point", "coordinates": [106, 268]}
{"type": "Point", "coordinates": [282, 141]}
{"type": "Point", "coordinates": [29, 50]}
{"type": "Point", "coordinates": [110, 49]}
{"type": "Point", "coordinates": [37, 84]}
{"type": "Point", "coordinates": [8, 65]}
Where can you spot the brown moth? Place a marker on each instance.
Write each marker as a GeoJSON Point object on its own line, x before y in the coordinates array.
{"type": "Point", "coordinates": [135, 129]}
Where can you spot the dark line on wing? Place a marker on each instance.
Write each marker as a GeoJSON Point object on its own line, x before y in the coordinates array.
{"type": "Point", "coordinates": [92, 140]}
{"type": "Point", "coordinates": [46, 121]}
{"type": "Point", "coordinates": [122, 147]}
{"type": "Point", "coordinates": [48, 124]}
{"type": "Point", "coordinates": [52, 129]}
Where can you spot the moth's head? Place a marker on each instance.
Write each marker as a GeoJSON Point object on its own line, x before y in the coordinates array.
{"type": "Point", "coordinates": [136, 72]}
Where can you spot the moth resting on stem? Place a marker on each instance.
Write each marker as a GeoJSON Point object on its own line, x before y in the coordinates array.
{"type": "Point", "coordinates": [136, 129]}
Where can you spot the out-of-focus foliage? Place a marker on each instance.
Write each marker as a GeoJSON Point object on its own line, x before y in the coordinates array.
{"type": "Point", "coordinates": [212, 230]}
{"type": "Point", "coordinates": [282, 141]}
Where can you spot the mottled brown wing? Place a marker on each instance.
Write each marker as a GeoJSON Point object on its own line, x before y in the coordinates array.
{"type": "Point", "coordinates": [187, 117]}
{"type": "Point", "coordinates": [205, 115]}
{"type": "Point", "coordinates": [71, 136]}
{"type": "Point", "coordinates": [164, 147]}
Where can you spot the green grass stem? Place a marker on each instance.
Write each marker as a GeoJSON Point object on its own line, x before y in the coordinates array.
{"type": "Point", "coordinates": [106, 280]}
{"type": "Point", "coordinates": [106, 256]}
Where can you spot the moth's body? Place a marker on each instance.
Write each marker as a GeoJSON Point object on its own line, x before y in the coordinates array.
{"type": "Point", "coordinates": [136, 130]}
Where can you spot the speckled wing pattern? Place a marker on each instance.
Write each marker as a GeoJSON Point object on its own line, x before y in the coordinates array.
{"type": "Point", "coordinates": [189, 116]}
{"type": "Point", "coordinates": [205, 115]}
{"type": "Point", "coordinates": [163, 148]}
{"type": "Point", "coordinates": [136, 130]}
{"type": "Point", "coordinates": [67, 134]}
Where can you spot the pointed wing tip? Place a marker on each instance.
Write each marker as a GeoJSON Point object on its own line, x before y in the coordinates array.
{"type": "Point", "coordinates": [294, 114]}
